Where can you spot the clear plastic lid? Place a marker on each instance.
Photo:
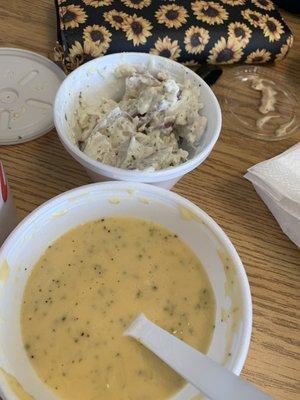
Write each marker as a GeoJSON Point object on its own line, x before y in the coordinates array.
{"type": "Point", "coordinates": [259, 102]}
{"type": "Point", "coordinates": [28, 85]}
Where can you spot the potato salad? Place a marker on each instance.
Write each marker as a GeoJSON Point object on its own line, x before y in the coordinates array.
{"type": "Point", "coordinates": [150, 128]}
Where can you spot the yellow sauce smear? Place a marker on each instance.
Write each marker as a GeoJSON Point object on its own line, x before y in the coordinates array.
{"type": "Point", "coordinates": [89, 286]}
{"type": "Point", "coordinates": [15, 386]}
{"type": "Point", "coordinates": [188, 214]}
{"type": "Point", "coordinates": [114, 200]}
{"type": "Point", "coordinates": [4, 270]}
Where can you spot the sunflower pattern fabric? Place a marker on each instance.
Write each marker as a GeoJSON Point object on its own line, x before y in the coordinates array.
{"type": "Point", "coordinates": [193, 32]}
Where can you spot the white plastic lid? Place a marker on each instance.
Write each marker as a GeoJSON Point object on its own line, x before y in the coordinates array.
{"type": "Point", "coordinates": [28, 85]}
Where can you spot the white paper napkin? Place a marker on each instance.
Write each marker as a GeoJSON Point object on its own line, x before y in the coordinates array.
{"type": "Point", "coordinates": [277, 181]}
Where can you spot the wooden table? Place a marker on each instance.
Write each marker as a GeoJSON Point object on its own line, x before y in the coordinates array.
{"type": "Point", "coordinates": [42, 169]}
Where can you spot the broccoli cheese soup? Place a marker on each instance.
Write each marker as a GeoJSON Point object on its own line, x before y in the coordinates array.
{"type": "Point", "coordinates": [87, 288]}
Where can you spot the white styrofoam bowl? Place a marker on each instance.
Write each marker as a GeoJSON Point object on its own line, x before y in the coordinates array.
{"type": "Point", "coordinates": [31, 238]}
{"type": "Point", "coordinates": [96, 77]}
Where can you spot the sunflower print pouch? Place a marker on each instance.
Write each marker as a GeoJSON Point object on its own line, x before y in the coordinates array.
{"type": "Point", "coordinates": [192, 32]}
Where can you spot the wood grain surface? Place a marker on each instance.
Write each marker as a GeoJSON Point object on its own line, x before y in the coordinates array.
{"type": "Point", "coordinates": [41, 169]}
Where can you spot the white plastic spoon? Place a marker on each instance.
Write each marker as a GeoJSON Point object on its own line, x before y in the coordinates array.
{"type": "Point", "coordinates": [210, 378]}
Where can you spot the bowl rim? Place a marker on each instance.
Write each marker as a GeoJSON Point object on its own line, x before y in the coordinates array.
{"type": "Point", "coordinates": [143, 189]}
{"type": "Point", "coordinates": [137, 175]}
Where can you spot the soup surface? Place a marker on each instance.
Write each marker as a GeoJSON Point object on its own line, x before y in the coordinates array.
{"type": "Point", "coordinates": [88, 287]}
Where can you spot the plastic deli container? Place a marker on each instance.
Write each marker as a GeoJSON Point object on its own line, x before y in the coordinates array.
{"type": "Point", "coordinates": [8, 216]}
{"type": "Point", "coordinates": [230, 340]}
{"type": "Point", "coordinates": [97, 77]}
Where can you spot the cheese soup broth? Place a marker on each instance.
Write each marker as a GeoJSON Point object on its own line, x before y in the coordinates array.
{"type": "Point", "coordinates": [87, 288]}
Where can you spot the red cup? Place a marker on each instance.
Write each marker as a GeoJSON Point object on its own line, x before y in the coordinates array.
{"type": "Point", "coordinates": [8, 216]}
